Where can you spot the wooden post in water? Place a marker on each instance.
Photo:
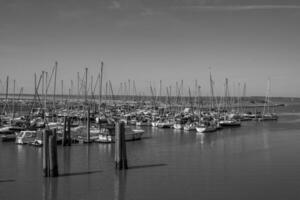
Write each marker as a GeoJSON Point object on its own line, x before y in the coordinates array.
{"type": "Point", "coordinates": [120, 147]}
{"type": "Point", "coordinates": [65, 132]}
{"type": "Point", "coordinates": [117, 146]}
{"type": "Point", "coordinates": [53, 154]}
{"type": "Point", "coordinates": [123, 142]}
{"type": "Point", "coordinates": [69, 140]}
{"type": "Point", "coordinates": [88, 124]}
{"type": "Point", "coordinates": [45, 153]}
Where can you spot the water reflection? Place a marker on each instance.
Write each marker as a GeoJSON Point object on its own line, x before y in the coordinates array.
{"type": "Point", "coordinates": [87, 153]}
{"type": "Point", "coordinates": [105, 148]}
{"type": "Point", "coordinates": [200, 137]}
{"type": "Point", "coordinates": [209, 138]}
{"type": "Point", "coordinates": [49, 189]}
{"type": "Point", "coordinates": [266, 146]}
{"type": "Point", "coordinates": [66, 159]}
{"type": "Point", "coordinates": [120, 185]}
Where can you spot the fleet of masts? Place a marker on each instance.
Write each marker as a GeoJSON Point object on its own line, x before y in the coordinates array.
{"type": "Point", "coordinates": [178, 107]}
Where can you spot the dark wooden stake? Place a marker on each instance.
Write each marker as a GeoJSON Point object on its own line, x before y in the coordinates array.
{"type": "Point", "coordinates": [45, 153]}
{"type": "Point", "coordinates": [88, 125]}
{"type": "Point", "coordinates": [69, 132]}
{"type": "Point", "coordinates": [64, 142]}
{"type": "Point", "coordinates": [53, 155]}
{"type": "Point", "coordinates": [117, 146]}
{"type": "Point", "coordinates": [120, 147]}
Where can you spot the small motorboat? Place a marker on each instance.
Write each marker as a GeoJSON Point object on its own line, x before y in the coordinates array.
{"type": "Point", "coordinates": [204, 127]}
{"type": "Point", "coordinates": [230, 123]}
{"type": "Point", "coordinates": [107, 136]}
{"type": "Point", "coordinates": [10, 130]}
{"type": "Point", "coordinates": [178, 126]}
{"type": "Point", "coordinates": [268, 117]}
{"type": "Point", "coordinates": [26, 137]}
{"type": "Point", "coordinates": [189, 127]}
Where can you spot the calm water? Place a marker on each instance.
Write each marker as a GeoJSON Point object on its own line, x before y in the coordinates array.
{"type": "Point", "coordinates": [256, 161]}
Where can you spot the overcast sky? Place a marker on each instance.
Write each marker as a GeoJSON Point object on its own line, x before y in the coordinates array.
{"type": "Point", "coordinates": [147, 40]}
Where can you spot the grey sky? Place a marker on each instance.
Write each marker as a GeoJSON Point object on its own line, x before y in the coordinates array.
{"type": "Point", "coordinates": [146, 40]}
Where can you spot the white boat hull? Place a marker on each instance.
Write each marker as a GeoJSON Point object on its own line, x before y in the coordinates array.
{"type": "Point", "coordinates": [135, 135]}
{"type": "Point", "coordinates": [206, 129]}
{"type": "Point", "coordinates": [178, 126]}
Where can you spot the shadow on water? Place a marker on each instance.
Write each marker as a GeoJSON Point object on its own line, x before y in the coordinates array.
{"type": "Point", "coordinates": [6, 180]}
{"type": "Point", "coordinates": [79, 173]}
{"type": "Point", "coordinates": [146, 166]}
{"type": "Point", "coordinates": [67, 164]}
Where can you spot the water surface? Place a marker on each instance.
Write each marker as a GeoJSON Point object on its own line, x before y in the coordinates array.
{"type": "Point", "coordinates": [256, 161]}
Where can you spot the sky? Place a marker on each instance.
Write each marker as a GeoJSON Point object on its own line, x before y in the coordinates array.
{"type": "Point", "coordinates": [246, 41]}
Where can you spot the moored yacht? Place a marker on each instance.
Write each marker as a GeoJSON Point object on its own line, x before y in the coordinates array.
{"type": "Point", "coordinates": [206, 127]}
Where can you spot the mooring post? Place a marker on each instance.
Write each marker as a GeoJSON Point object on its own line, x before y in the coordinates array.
{"type": "Point", "coordinates": [117, 146]}
{"type": "Point", "coordinates": [69, 132]}
{"type": "Point", "coordinates": [123, 142]}
{"type": "Point", "coordinates": [88, 125]}
{"type": "Point", "coordinates": [64, 142]}
{"type": "Point", "coordinates": [120, 147]}
{"type": "Point", "coordinates": [53, 154]}
{"type": "Point", "coordinates": [45, 153]}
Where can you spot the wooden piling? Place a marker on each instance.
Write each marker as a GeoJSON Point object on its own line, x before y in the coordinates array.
{"type": "Point", "coordinates": [64, 141]}
{"type": "Point", "coordinates": [117, 146]}
{"type": "Point", "coordinates": [45, 153]}
{"type": "Point", "coordinates": [88, 125]}
{"type": "Point", "coordinates": [69, 140]}
{"type": "Point", "coordinates": [120, 147]}
{"type": "Point", "coordinates": [53, 155]}
{"type": "Point", "coordinates": [123, 142]}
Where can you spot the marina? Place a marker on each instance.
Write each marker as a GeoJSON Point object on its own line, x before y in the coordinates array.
{"type": "Point", "coordinates": [149, 100]}
{"type": "Point", "coordinates": [103, 136]}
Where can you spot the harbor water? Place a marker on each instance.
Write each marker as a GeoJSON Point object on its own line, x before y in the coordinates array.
{"type": "Point", "coordinates": [259, 160]}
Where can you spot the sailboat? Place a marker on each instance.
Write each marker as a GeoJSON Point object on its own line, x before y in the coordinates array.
{"type": "Point", "coordinates": [267, 115]}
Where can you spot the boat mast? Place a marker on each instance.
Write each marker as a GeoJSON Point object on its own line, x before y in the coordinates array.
{"type": "Point", "coordinates": [6, 94]}
{"type": "Point", "coordinates": [14, 100]}
{"type": "Point", "coordinates": [211, 91]}
{"type": "Point", "coordinates": [78, 79]}
{"type": "Point", "coordinates": [86, 82]}
{"type": "Point", "coordinates": [266, 103]}
{"type": "Point", "coordinates": [46, 91]}
{"type": "Point", "coordinates": [62, 91]}
{"type": "Point", "coordinates": [54, 89]}
{"type": "Point", "coordinates": [244, 97]}
{"type": "Point", "coordinates": [43, 84]}
{"type": "Point", "coordinates": [226, 96]}
{"type": "Point", "coordinates": [160, 90]}
{"type": "Point", "coordinates": [100, 85]}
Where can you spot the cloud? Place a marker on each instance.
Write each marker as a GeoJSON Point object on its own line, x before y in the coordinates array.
{"type": "Point", "coordinates": [115, 5]}
{"type": "Point", "coordinates": [147, 12]}
{"type": "Point", "coordinates": [238, 7]}
{"type": "Point", "coordinates": [72, 14]}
